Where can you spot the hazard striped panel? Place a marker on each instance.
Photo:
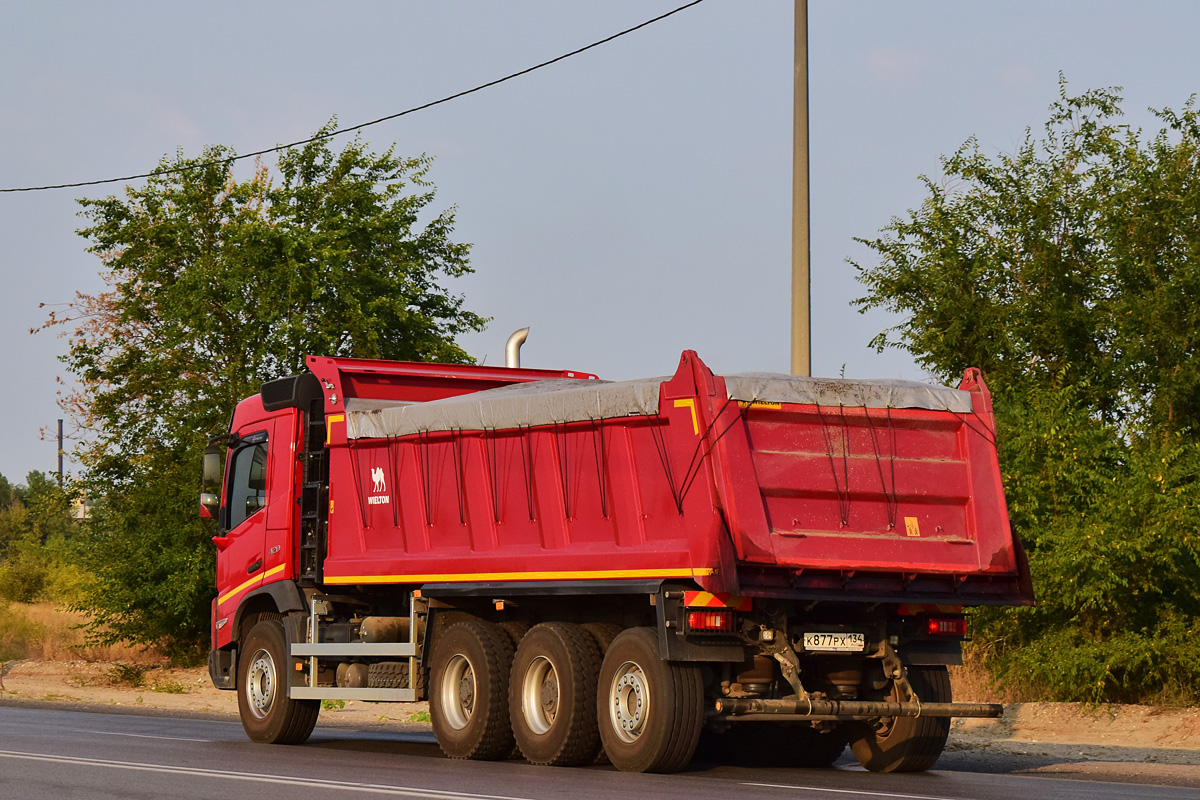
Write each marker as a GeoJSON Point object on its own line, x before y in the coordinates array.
{"type": "Point", "coordinates": [913, 609]}
{"type": "Point", "coordinates": [717, 600]}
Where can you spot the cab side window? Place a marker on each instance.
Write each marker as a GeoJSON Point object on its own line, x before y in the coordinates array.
{"type": "Point", "coordinates": [247, 482]}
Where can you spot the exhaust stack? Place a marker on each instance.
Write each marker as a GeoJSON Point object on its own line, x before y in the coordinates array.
{"type": "Point", "coordinates": [512, 349]}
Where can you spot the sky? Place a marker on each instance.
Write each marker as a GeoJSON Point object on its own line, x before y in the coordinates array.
{"type": "Point", "coordinates": [626, 204]}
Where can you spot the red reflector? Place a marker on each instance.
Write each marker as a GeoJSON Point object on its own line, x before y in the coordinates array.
{"type": "Point", "coordinates": [943, 626]}
{"type": "Point", "coordinates": [710, 620]}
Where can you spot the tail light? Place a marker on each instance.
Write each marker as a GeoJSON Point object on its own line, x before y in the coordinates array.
{"type": "Point", "coordinates": [710, 621]}
{"type": "Point", "coordinates": [946, 626]}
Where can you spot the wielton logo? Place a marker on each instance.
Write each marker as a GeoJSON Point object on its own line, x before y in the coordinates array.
{"type": "Point", "coordinates": [380, 482]}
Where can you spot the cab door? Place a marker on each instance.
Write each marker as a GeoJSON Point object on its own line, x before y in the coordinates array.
{"type": "Point", "coordinates": [240, 562]}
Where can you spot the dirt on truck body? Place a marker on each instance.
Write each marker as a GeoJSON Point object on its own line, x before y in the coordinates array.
{"type": "Point", "coordinates": [575, 566]}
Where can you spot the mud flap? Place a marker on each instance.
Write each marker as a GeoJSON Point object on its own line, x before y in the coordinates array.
{"type": "Point", "coordinates": [222, 668]}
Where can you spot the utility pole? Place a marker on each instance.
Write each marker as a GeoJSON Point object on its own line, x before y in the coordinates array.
{"type": "Point", "coordinates": [60, 452]}
{"type": "Point", "coordinates": [801, 304]}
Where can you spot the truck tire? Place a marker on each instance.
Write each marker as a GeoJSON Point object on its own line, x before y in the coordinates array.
{"type": "Point", "coordinates": [394, 675]}
{"type": "Point", "coordinates": [650, 711]}
{"type": "Point", "coordinates": [268, 714]}
{"type": "Point", "coordinates": [469, 691]}
{"type": "Point", "coordinates": [515, 629]}
{"type": "Point", "coordinates": [603, 633]}
{"type": "Point", "coordinates": [552, 695]}
{"type": "Point", "coordinates": [906, 744]}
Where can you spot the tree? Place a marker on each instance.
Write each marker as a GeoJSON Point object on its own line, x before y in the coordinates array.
{"type": "Point", "coordinates": [37, 537]}
{"type": "Point", "coordinates": [1079, 251]}
{"type": "Point", "coordinates": [1067, 271]}
{"type": "Point", "coordinates": [216, 285]}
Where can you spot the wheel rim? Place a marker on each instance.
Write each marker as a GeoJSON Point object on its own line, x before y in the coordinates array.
{"type": "Point", "coordinates": [261, 684]}
{"type": "Point", "coordinates": [539, 695]}
{"type": "Point", "coordinates": [458, 692]}
{"type": "Point", "coordinates": [882, 727]}
{"type": "Point", "coordinates": [629, 701]}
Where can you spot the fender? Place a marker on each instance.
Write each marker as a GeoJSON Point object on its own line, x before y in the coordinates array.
{"type": "Point", "coordinates": [222, 664]}
{"type": "Point", "coordinates": [285, 595]}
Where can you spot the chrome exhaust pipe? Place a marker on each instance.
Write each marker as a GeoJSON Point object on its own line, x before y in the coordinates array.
{"type": "Point", "coordinates": [512, 349]}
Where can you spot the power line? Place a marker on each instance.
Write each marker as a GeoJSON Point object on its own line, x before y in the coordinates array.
{"type": "Point", "coordinates": [398, 114]}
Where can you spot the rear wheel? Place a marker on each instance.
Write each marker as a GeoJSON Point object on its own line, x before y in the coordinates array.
{"type": "Point", "coordinates": [650, 711]}
{"type": "Point", "coordinates": [603, 633]}
{"type": "Point", "coordinates": [469, 690]}
{"type": "Point", "coordinates": [906, 744]}
{"type": "Point", "coordinates": [515, 630]}
{"type": "Point", "coordinates": [267, 713]}
{"type": "Point", "coordinates": [552, 695]}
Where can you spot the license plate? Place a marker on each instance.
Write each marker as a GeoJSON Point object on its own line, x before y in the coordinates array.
{"type": "Point", "coordinates": [835, 642]}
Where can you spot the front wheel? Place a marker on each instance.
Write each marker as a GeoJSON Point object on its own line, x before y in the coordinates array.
{"type": "Point", "coordinates": [267, 713]}
{"type": "Point", "coordinates": [650, 711]}
{"type": "Point", "coordinates": [906, 744]}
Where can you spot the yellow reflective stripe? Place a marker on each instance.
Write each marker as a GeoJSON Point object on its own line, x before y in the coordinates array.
{"type": "Point", "coordinates": [329, 425]}
{"type": "Point", "coordinates": [522, 576]}
{"type": "Point", "coordinates": [719, 600]}
{"type": "Point", "coordinates": [255, 579]}
{"type": "Point", "coordinates": [690, 403]}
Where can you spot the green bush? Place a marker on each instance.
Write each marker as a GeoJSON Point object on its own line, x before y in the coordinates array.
{"type": "Point", "coordinates": [132, 675]}
{"type": "Point", "coordinates": [38, 545]}
{"type": "Point", "coordinates": [168, 686]}
{"type": "Point", "coordinates": [23, 576]}
{"type": "Point", "coordinates": [1113, 550]}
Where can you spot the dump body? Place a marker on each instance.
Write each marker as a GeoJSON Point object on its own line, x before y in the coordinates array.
{"type": "Point", "coordinates": [753, 485]}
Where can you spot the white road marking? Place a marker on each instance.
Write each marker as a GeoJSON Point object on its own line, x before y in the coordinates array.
{"type": "Point", "coordinates": [848, 791]}
{"type": "Point", "coordinates": [143, 736]}
{"type": "Point", "coordinates": [283, 780]}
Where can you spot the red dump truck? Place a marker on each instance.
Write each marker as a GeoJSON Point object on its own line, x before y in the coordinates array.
{"type": "Point", "coordinates": [775, 565]}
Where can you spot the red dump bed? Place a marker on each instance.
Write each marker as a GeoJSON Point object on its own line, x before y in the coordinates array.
{"type": "Point", "coordinates": [754, 484]}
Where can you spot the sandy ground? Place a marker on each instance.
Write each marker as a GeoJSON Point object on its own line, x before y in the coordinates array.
{"type": "Point", "coordinates": [1140, 743]}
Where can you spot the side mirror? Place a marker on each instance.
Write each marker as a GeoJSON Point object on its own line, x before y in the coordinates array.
{"type": "Point", "coordinates": [210, 504]}
{"type": "Point", "coordinates": [212, 474]}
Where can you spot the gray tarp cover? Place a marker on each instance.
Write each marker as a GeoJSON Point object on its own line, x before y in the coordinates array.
{"type": "Point", "coordinates": [575, 400]}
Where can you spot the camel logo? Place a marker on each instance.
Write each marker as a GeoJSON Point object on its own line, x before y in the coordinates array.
{"type": "Point", "coordinates": [377, 498]}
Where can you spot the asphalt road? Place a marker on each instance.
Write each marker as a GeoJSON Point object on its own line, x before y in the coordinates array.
{"type": "Point", "coordinates": [55, 754]}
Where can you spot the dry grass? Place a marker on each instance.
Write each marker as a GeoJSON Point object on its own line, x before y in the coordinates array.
{"type": "Point", "coordinates": [46, 632]}
{"type": "Point", "coordinates": [972, 683]}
